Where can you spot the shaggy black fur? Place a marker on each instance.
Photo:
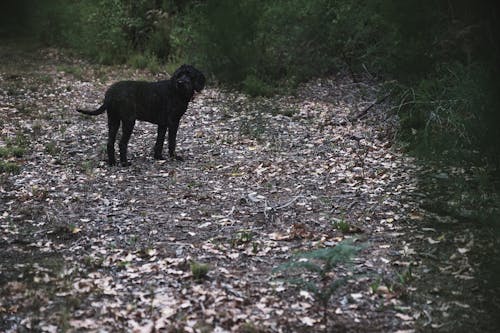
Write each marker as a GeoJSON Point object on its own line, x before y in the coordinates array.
{"type": "Point", "coordinates": [162, 103]}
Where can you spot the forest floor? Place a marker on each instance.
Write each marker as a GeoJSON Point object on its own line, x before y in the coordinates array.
{"type": "Point", "coordinates": [88, 247]}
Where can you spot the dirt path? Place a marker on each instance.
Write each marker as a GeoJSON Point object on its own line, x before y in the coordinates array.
{"type": "Point", "coordinates": [92, 248]}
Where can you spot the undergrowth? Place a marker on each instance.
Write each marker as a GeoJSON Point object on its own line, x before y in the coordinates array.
{"type": "Point", "coordinates": [318, 271]}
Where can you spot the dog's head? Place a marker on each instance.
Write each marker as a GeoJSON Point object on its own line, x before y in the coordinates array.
{"type": "Point", "coordinates": [184, 86]}
{"type": "Point", "coordinates": [195, 76]}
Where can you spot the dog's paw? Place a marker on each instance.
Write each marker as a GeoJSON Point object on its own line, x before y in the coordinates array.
{"type": "Point", "coordinates": [125, 164]}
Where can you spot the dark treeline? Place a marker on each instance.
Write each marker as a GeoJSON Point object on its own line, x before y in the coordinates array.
{"type": "Point", "coordinates": [443, 55]}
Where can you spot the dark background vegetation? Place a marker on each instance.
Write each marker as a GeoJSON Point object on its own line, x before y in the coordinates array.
{"type": "Point", "coordinates": [440, 58]}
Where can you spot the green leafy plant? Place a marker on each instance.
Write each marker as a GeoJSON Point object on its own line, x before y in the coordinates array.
{"type": "Point", "coordinates": [342, 225]}
{"type": "Point", "coordinates": [9, 167]}
{"type": "Point", "coordinates": [52, 148]}
{"type": "Point", "coordinates": [145, 60]}
{"type": "Point", "coordinates": [12, 151]}
{"type": "Point", "coordinates": [199, 270]}
{"type": "Point", "coordinates": [14, 148]}
{"type": "Point", "coordinates": [88, 167]}
{"type": "Point", "coordinates": [254, 86]}
{"type": "Point", "coordinates": [314, 271]}
{"type": "Point", "coordinates": [406, 276]}
{"type": "Point", "coordinates": [242, 237]}
{"type": "Point", "coordinates": [375, 285]}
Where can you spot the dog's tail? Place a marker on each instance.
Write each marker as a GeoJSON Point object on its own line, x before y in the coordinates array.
{"type": "Point", "coordinates": [99, 111]}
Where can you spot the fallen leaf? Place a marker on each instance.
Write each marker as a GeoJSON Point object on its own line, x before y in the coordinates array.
{"type": "Point", "coordinates": [308, 321]}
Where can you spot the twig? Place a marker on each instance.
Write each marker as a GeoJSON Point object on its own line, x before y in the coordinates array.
{"type": "Point", "coordinates": [363, 113]}
{"type": "Point", "coordinates": [429, 318]}
{"type": "Point", "coordinates": [273, 209]}
{"type": "Point", "coordinates": [288, 203]}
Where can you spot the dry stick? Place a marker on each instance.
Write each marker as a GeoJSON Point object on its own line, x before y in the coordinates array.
{"type": "Point", "coordinates": [363, 113]}
{"type": "Point", "coordinates": [287, 203]}
{"type": "Point", "coordinates": [278, 207]}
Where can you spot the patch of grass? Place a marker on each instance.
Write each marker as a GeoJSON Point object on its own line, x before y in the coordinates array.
{"type": "Point", "coordinates": [65, 231]}
{"type": "Point", "coordinates": [375, 285]}
{"type": "Point", "coordinates": [15, 148]}
{"type": "Point", "coordinates": [342, 225]}
{"type": "Point", "coordinates": [52, 148]}
{"type": "Point", "coordinates": [249, 327]}
{"type": "Point", "coordinates": [406, 276]}
{"type": "Point", "coordinates": [194, 184]}
{"type": "Point", "coordinates": [47, 79]}
{"type": "Point", "coordinates": [254, 86]}
{"type": "Point", "coordinates": [287, 112]}
{"type": "Point", "coordinates": [101, 73]}
{"type": "Point", "coordinates": [88, 167]}
{"type": "Point", "coordinates": [9, 167]}
{"type": "Point", "coordinates": [93, 262]}
{"type": "Point", "coordinates": [17, 151]}
{"type": "Point", "coordinates": [76, 71]}
{"type": "Point", "coordinates": [242, 237]}
{"type": "Point", "coordinates": [19, 140]}
{"type": "Point", "coordinates": [143, 61]}
{"type": "Point", "coordinates": [199, 270]}
{"type": "Point", "coordinates": [37, 128]}
{"type": "Point", "coordinates": [138, 61]}
{"type": "Point", "coordinates": [4, 152]}
{"type": "Point", "coordinates": [170, 67]}
{"type": "Point", "coordinates": [132, 240]}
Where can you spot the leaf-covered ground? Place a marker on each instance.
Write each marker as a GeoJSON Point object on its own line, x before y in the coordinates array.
{"type": "Point", "coordinates": [87, 247]}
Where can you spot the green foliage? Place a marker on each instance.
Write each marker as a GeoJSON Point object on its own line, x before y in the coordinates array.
{"type": "Point", "coordinates": [199, 270]}
{"type": "Point", "coordinates": [145, 60]}
{"type": "Point", "coordinates": [108, 31]}
{"type": "Point", "coordinates": [14, 148]}
{"type": "Point", "coordinates": [9, 167]}
{"type": "Point", "coordinates": [448, 113]}
{"type": "Point", "coordinates": [255, 45]}
{"type": "Point", "coordinates": [254, 86]}
{"type": "Point", "coordinates": [52, 148]}
{"type": "Point", "coordinates": [12, 151]}
{"type": "Point", "coordinates": [320, 265]}
{"type": "Point", "coordinates": [242, 237]}
{"type": "Point", "coordinates": [342, 225]}
{"type": "Point", "coordinates": [223, 37]}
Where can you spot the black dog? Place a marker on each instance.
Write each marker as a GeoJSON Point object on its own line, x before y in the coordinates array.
{"type": "Point", "coordinates": [162, 103]}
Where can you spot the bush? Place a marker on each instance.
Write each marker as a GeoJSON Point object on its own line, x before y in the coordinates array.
{"type": "Point", "coordinates": [145, 60]}
{"type": "Point", "coordinates": [451, 114]}
{"type": "Point", "coordinates": [221, 36]}
{"type": "Point", "coordinates": [282, 43]}
{"type": "Point", "coordinates": [108, 31]}
{"type": "Point", "coordinates": [254, 86]}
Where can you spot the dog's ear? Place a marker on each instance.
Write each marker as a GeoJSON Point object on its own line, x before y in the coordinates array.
{"type": "Point", "coordinates": [179, 71]}
{"type": "Point", "coordinates": [199, 82]}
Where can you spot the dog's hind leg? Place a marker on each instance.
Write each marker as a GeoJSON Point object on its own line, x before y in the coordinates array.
{"type": "Point", "coordinates": [127, 129]}
{"type": "Point", "coordinates": [160, 139]}
{"type": "Point", "coordinates": [113, 126]}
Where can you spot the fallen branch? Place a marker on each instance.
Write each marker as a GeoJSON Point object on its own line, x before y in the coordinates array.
{"type": "Point", "coordinates": [364, 112]}
{"type": "Point", "coordinates": [274, 208]}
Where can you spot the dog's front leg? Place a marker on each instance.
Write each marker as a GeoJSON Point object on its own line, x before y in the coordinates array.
{"type": "Point", "coordinates": [172, 135]}
{"type": "Point", "coordinates": [160, 138]}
